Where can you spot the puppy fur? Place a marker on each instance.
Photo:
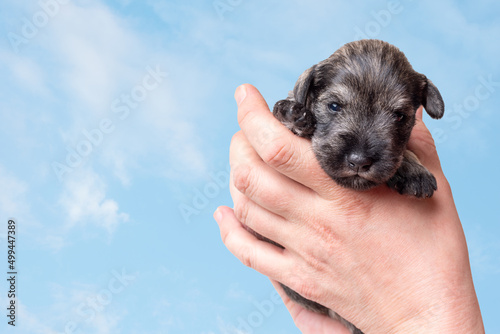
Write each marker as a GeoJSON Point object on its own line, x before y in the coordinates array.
{"type": "Point", "coordinates": [358, 108]}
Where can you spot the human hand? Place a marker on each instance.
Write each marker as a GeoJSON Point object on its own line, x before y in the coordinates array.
{"type": "Point", "coordinates": [385, 262]}
{"type": "Point", "coordinates": [309, 322]}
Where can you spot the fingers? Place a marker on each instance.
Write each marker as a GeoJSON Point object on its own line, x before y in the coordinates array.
{"type": "Point", "coordinates": [262, 221]}
{"type": "Point", "coordinates": [262, 184]}
{"type": "Point", "coordinates": [267, 259]}
{"type": "Point", "coordinates": [422, 144]}
{"type": "Point", "coordinates": [275, 144]}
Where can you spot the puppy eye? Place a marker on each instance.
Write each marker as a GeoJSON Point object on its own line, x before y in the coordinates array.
{"type": "Point", "coordinates": [334, 107]}
{"type": "Point", "coordinates": [399, 116]}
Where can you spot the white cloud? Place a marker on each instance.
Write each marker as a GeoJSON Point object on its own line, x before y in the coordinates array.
{"type": "Point", "coordinates": [459, 27]}
{"type": "Point", "coordinates": [118, 161]}
{"type": "Point", "coordinates": [86, 308]}
{"type": "Point", "coordinates": [97, 53]}
{"type": "Point", "coordinates": [84, 201]}
{"type": "Point", "coordinates": [14, 203]}
{"type": "Point", "coordinates": [101, 58]}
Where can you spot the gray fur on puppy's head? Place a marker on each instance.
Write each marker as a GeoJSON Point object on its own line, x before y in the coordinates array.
{"type": "Point", "coordinates": [363, 99]}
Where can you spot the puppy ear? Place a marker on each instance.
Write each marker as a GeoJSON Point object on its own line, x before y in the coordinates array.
{"type": "Point", "coordinates": [292, 112]}
{"type": "Point", "coordinates": [432, 101]}
{"type": "Point", "coordinates": [301, 87]}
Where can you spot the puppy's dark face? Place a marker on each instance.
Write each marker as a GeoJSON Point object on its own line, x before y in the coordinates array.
{"type": "Point", "coordinates": [363, 99]}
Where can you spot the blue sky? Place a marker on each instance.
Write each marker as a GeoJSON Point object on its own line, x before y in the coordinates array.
{"type": "Point", "coordinates": [115, 123]}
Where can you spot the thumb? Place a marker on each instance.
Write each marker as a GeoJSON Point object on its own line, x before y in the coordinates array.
{"type": "Point", "coordinates": [277, 146]}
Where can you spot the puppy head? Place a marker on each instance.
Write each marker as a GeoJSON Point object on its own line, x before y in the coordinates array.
{"type": "Point", "coordinates": [363, 99]}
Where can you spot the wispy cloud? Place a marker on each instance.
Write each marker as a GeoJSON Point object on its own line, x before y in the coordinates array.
{"type": "Point", "coordinates": [31, 322]}
{"type": "Point", "coordinates": [84, 201]}
{"type": "Point", "coordinates": [101, 58]}
{"type": "Point", "coordinates": [78, 307]}
{"type": "Point", "coordinates": [97, 55]}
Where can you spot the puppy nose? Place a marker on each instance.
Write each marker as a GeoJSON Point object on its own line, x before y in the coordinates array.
{"type": "Point", "coordinates": [359, 162]}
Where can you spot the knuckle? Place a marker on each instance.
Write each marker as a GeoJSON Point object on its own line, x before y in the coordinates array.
{"type": "Point", "coordinates": [305, 287]}
{"type": "Point", "coordinates": [245, 115]}
{"type": "Point", "coordinates": [279, 154]}
{"type": "Point", "coordinates": [308, 290]}
{"type": "Point", "coordinates": [319, 260]}
{"type": "Point", "coordinates": [242, 178]}
{"type": "Point", "coordinates": [247, 256]}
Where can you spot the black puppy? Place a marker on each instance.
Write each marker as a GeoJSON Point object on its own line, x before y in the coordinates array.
{"type": "Point", "coordinates": [358, 108]}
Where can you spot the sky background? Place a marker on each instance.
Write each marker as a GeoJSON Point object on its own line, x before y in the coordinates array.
{"type": "Point", "coordinates": [115, 124]}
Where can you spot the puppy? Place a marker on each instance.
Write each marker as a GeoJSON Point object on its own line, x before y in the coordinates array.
{"type": "Point", "coordinates": [358, 108]}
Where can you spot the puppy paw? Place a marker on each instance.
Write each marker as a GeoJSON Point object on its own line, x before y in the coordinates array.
{"type": "Point", "coordinates": [412, 178]}
{"type": "Point", "coordinates": [420, 185]}
{"type": "Point", "coordinates": [295, 117]}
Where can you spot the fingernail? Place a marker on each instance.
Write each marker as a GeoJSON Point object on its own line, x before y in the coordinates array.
{"type": "Point", "coordinates": [218, 215]}
{"type": "Point", "coordinates": [240, 94]}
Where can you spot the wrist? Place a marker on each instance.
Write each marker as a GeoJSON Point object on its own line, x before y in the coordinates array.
{"type": "Point", "coordinates": [457, 315]}
{"type": "Point", "coordinates": [467, 322]}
